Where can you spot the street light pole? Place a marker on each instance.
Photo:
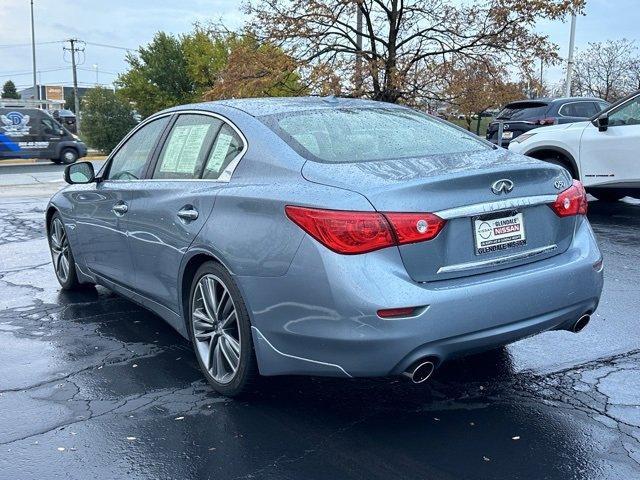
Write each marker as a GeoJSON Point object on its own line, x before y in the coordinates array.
{"type": "Point", "coordinates": [358, 79]}
{"type": "Point", "coordinates": [572, 41]}
{"type": "Point", "coordinates": [36, 90]}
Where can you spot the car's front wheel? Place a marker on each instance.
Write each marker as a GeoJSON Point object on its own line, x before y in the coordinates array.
{"type": "Point", "coordinates": [61, 255]}
{"type": "Point", "coordinates": [220, 331]}
{"type": "Point", "coordinates": [68, 156]}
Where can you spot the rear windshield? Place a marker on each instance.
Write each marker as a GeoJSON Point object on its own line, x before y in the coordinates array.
{"type": "Point", "coordinates": [523, 111]}
{"type": "Point", "coordinates": [346, 135]}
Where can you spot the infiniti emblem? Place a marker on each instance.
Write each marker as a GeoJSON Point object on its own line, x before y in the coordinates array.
{"type": "Point", "coordinates": [504, 185]}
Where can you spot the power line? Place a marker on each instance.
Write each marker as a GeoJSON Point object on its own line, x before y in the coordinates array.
{"type": "Point", "coordinates": [109, 46]}
{"type": "Point", "coordinates": [22, 73]}
{"type": "Point", "coordinates": [85, 69]}
{"type": "Point", "coordinates": [28, 44]}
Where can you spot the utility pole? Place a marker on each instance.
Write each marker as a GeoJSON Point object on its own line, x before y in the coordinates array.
{"type": "Point", "coordinates": [36, 89]}
{"type": "Point", "coordinates": [572, 41]}
{"type": "Point", "coordinates": [358, 79]}
{"type": "Point", "coordinates": [74, 49]}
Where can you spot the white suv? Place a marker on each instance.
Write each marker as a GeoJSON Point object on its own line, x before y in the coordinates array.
{"type": "Point", "coordinates": [603, 153]}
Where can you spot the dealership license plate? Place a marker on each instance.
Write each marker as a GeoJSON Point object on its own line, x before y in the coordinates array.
{"type": "Point", "coordinates": [507, 135]}
{"type": "Point", "coordinates": [493, 234]}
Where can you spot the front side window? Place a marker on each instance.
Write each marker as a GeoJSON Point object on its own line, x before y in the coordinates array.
{"type": "Point", "coordinates": [130, 160]}
{"type": "Point", "coordinates": [345, 135]}
{"type": "Point", "coordinates": [51, 127]}
{"type": "Point", "coordinates": [627, 114]}
{"type": "Point", "coordinates": [186, 148]}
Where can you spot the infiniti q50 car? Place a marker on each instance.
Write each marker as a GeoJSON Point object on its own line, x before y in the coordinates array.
{"type": "Point", "coordinates": [324, 236]}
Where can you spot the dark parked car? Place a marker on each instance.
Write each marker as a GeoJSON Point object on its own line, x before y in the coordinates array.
{"type": "Point", "coordinates": [67, 119]}
{"type": "Point", "coordinates": [525, 115]}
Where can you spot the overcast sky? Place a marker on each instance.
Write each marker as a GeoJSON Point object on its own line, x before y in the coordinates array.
{"type": "Point", "coordinates": [129, 23]}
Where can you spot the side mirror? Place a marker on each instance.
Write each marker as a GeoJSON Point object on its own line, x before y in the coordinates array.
{"type": "Point", "coordinates": [602, 122]}
{"type": "Point", "coordinates": [81, 172]}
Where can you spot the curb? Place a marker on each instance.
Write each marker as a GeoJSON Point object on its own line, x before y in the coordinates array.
{"type": "Point", "coordinates": [38, 161]}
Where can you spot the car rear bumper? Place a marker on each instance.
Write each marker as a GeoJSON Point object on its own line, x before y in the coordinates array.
{"type": "Point", "coordinates": [320, 317]}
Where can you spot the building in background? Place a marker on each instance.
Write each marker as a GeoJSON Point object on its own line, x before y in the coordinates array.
{"type": "Point", "coordinates": [55, 93]}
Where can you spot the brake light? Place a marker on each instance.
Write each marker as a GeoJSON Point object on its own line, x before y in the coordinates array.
{"type": "Point", "coordinates": [352, 233]}
{"type": "Point", "coordinates": [546, 121]}
{"type": "Point", "coordinates": [415, 227]}
{"type": "Point", "coordinates": [572, 201]}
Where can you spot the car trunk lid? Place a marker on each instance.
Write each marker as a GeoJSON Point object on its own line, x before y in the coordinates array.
{"type": "Point", "coordinates": [459, 189]}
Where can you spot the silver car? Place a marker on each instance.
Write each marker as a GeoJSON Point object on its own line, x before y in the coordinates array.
{"type": "Point", "coordinates": [324, 236]}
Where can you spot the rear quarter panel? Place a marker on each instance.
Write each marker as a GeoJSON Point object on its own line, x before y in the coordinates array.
{"type": "Point", "coordinates": [248, 230]}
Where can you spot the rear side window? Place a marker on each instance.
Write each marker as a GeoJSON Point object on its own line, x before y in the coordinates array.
{"type": "Point", "coordinates": [523, 111]}
{"type": "Point", "coordinates": [578, 109]}
{"type": "Point", "coordinates": [130, 160]}
{"type": "Point", "coordinates": [186, 147]}
{"type": "Point", "coordinates": [346, 135]}
{"type": "Point", "coordinates": [227, 146]}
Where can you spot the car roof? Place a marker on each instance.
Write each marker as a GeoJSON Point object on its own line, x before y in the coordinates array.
{"type": "Point", "coordinates": [258, 107]}
{"type": "Point", "coordinates": [549, 101]}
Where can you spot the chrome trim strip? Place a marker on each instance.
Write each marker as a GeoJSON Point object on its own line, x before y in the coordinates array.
{"type": "Point", "coordinates": [488, 207]}
{"type": "Point", "coordinates": [224, 177]}
{"type": "Point", "coordinates": [461, 267]}
{"type": "Point", "coordinates": [298, 358]}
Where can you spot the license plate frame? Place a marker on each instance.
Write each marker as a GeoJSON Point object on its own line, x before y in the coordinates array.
{"type": "Point", "coordinates": [508, 135]}
{"type": "Point", "coordinates": [497, 231]}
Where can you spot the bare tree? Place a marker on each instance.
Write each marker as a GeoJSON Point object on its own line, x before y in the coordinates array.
{"type": "Point", "coordinates": [609, 70]}
{"type": "Point", "coordinates": [406, 44]}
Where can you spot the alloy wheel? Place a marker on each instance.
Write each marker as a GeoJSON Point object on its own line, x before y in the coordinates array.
{"type": "Point", "coordinates": [216, 329]}
{"type": "Point", "coordinates": [59, 250]}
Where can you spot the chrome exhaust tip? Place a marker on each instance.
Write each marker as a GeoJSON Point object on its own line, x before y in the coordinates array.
{"type": "Point", "coordinates": [421, 372]}
{"type": "Point", "coordinates": [581, 323]}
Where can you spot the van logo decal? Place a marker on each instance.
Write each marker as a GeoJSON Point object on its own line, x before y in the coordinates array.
{"type": "Point", "coordinates": [15, 124]}
{"type": "Point", "coordinates": [504, 185]}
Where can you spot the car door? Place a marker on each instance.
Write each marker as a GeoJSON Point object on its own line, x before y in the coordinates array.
{"type": "Point", "coordinates": [102, 212]}
{"type": "Point", "coordinates": [611, 157]}
{"type": "Point", "coordinates": [576, 111]}
{"type": "Point", "coordinates": [51, 135]}
{"type": "Point", "coordinates": [177, 200]}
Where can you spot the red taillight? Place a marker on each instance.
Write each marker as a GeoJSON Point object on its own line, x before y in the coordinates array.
{"type": "Point", "coordinates": [415, 227]}
{"type": "Point", "coordinates": [573, 201]}
{"type": "Point", "coordinates": [344, 232]}
{"type": "Point", "coordinates": [360, 232]}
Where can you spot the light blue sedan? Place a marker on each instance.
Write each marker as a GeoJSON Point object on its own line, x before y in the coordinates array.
{"type": "Point", "coordinates": [324, 236]}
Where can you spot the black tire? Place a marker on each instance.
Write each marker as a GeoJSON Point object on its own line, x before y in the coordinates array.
{"type": "Point", "coordinates": [605, 196]}
{"type": "Point", "coordinates": [560, 163]}
{"type": "Point", "coordinates": [61, 248]}
{"type": "Point", "coordinates": [68, 156]}
{"type": "Point", "coordinates": [246, 375]}
{"type": "Point", "coordinates": [56, 161]}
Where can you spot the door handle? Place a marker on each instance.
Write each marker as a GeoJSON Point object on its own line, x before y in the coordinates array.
{"type": "Point", "coordinates": [188, 214]}
{"type": "Point", "coordinates": [120, 208]}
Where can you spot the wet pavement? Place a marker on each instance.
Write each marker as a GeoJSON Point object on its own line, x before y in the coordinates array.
{"type": "Point", "coordinates": [93, 386]}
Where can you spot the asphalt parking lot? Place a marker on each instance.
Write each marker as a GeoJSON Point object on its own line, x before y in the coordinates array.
{"type": "Point", "coordinates": [93, 386]}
